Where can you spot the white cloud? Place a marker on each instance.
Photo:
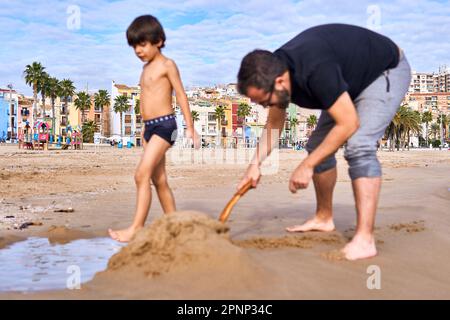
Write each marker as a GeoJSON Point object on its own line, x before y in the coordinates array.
{"type": "Point", "coordinates": [207, 49]}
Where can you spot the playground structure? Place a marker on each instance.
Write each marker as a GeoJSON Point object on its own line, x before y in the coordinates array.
{"type": "Point", "coordinates": [76, 137]}
{"type": "Point", "coordinates": [25, 137]}
{"type": "Point", "coordinates": [40, 137]}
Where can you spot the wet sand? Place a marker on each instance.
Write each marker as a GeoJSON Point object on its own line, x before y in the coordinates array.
{"type": "Point", "coordinates": [412, 225]}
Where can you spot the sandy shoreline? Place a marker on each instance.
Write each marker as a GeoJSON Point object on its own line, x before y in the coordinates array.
{"type": "Point", "coordinates": [412, 224]}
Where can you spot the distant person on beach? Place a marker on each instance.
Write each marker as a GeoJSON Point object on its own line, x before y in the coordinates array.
{"type": "Point", "coordinates": [358, 79]}
{"type": "Point", "coordinates": [159, 78]}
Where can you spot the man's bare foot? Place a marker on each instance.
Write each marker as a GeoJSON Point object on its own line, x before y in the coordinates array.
{"type": "Point", "coordinates": [360, 248]}
{"type": "Point", "coordinates": [123, 235]}
{"type": "Point", "coordinates": [314, 224]}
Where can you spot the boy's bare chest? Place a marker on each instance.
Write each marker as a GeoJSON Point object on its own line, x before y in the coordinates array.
{"type": "Point", "coordinates": [152, 78]}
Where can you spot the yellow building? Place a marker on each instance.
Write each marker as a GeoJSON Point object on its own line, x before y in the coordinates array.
{"type": "Point", "coordinates": [227, 123]}
{"type": "Point", "coordinates": [68, 116]}
{"type": "Point", "coordinates": [65, 116]}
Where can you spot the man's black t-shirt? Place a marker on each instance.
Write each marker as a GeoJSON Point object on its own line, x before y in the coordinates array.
{"type": "Point", "coordinates": [327, 60]}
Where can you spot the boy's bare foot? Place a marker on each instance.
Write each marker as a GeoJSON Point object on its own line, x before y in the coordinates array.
{"type": "Point", "coordinates": [123, 235]}
{"type": "Point", "coordinates": [360, 248]}
{"type": "Point", "coordinates": [314, 224]}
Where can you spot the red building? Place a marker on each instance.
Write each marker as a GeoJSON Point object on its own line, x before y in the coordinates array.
{"type": "Point", "coordinates": [236, 121]}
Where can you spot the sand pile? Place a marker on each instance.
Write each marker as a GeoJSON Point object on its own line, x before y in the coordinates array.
{"type": "Point", "coordinates": [183, 242]}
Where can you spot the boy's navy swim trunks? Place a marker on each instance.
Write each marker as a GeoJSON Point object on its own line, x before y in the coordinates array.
{"type": "Point", "coordinates": [164, 127]}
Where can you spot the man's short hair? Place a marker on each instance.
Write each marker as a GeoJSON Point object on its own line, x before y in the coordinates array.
{"type": "Point", "coordinates": [146, 28]}
{"type": "Point", "coordinates": [259, 69]}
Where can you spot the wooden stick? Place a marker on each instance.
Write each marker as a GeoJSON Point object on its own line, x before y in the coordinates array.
{"type": "Point", "coordinates": [227, 210]}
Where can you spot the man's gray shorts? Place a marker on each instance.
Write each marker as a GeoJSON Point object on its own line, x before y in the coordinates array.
{"type": "Point", "coordinates": [376, 106]}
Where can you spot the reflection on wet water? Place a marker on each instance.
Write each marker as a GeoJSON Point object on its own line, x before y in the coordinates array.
{"type": "Point", "coordinates": [35, 264]}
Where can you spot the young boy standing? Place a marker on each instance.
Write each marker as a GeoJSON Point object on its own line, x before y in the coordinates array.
{"type": "Point", "coordinates": [159, 78]}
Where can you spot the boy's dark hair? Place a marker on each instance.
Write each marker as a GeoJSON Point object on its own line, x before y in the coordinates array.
{"type": "Point", "coordinates": [146, 28]}
{"type": "Point", "coordinates": [259, 69]}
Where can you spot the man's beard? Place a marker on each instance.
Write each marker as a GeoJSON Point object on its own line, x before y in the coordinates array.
{"type": "Point", "coordinates": [284, 98]}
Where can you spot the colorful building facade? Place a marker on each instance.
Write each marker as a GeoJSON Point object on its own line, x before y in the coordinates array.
{"type": "Point", "coordinates": [9, 105]}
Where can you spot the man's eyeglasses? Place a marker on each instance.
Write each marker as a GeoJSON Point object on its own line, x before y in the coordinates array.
{"type": "Point", "coordinates": [266, 103]}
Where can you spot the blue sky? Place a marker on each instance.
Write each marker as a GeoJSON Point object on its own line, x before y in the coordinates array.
{"type": "Point", "coordinates": [206, 38]}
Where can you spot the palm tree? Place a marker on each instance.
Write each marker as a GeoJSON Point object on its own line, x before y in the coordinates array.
{"type": "Point", "coordinates": [427, 117]}
{"type": "Point", "coordinates": [53, 91]}
{"type": "Point", "coordinates": [391, 130]}
{"type": "Point", "coordinates": [33, 74]}
{"type": "Point", "coordinates": [195, 115]}
{"type": "Point", "coordinates": [83, 103]}
{"type": "Point", "coordinates": [67, 91]}
{"type": "Point", "coordinates": [311, 122]}
{"type": "Point", "coordinates": [137, 111]}
{"type": "Point", "coordinates": [414, 125]}
{"type": "Point", "coordinates": [244, 110]}
{"type": "Point", "coordinates": [42, 88]}
{"type": "Point", "coordinates": [121, 105]}
{"type": "Point", "coordinates": [293, 122]}
{"type": "Point", "coordinates": [88, 130]}
{"type": "Point", "coordinates": [443, 118]}
{"type": "Point", "coordinates": [219, 113]}
{"type": "Point", "coordinates": [137, 106]}
{"type": "Point", "coordinates": [434, 130]}
{"type": "Point", "coordinates": [101, 100]}
{"type": "Point", "coordinates": [408, 121]}
{"type": "Point", "coordinates": [405, 122]}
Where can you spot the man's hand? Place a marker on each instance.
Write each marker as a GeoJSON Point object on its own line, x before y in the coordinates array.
{"type": "Point", "coordinates": [301, 177]}
{"type": "Point", "coordinates": [192, 134]}
{"type": "Point", "coordinates": [253, 173]}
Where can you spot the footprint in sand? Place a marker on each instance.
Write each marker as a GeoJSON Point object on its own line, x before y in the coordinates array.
{"type": "Point", "coordinates": [411, 227]}
{"type": "Point", "coordinates": [334, 255]}
{"type": "Point", "coordinates": [304, 241]}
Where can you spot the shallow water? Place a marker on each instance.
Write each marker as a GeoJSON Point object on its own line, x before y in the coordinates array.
{"type": "Point", "coordinates": [35, 264]}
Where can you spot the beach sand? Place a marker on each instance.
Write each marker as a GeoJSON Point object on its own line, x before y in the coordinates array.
{"type": "Point", "coordinates": [191, 256]}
